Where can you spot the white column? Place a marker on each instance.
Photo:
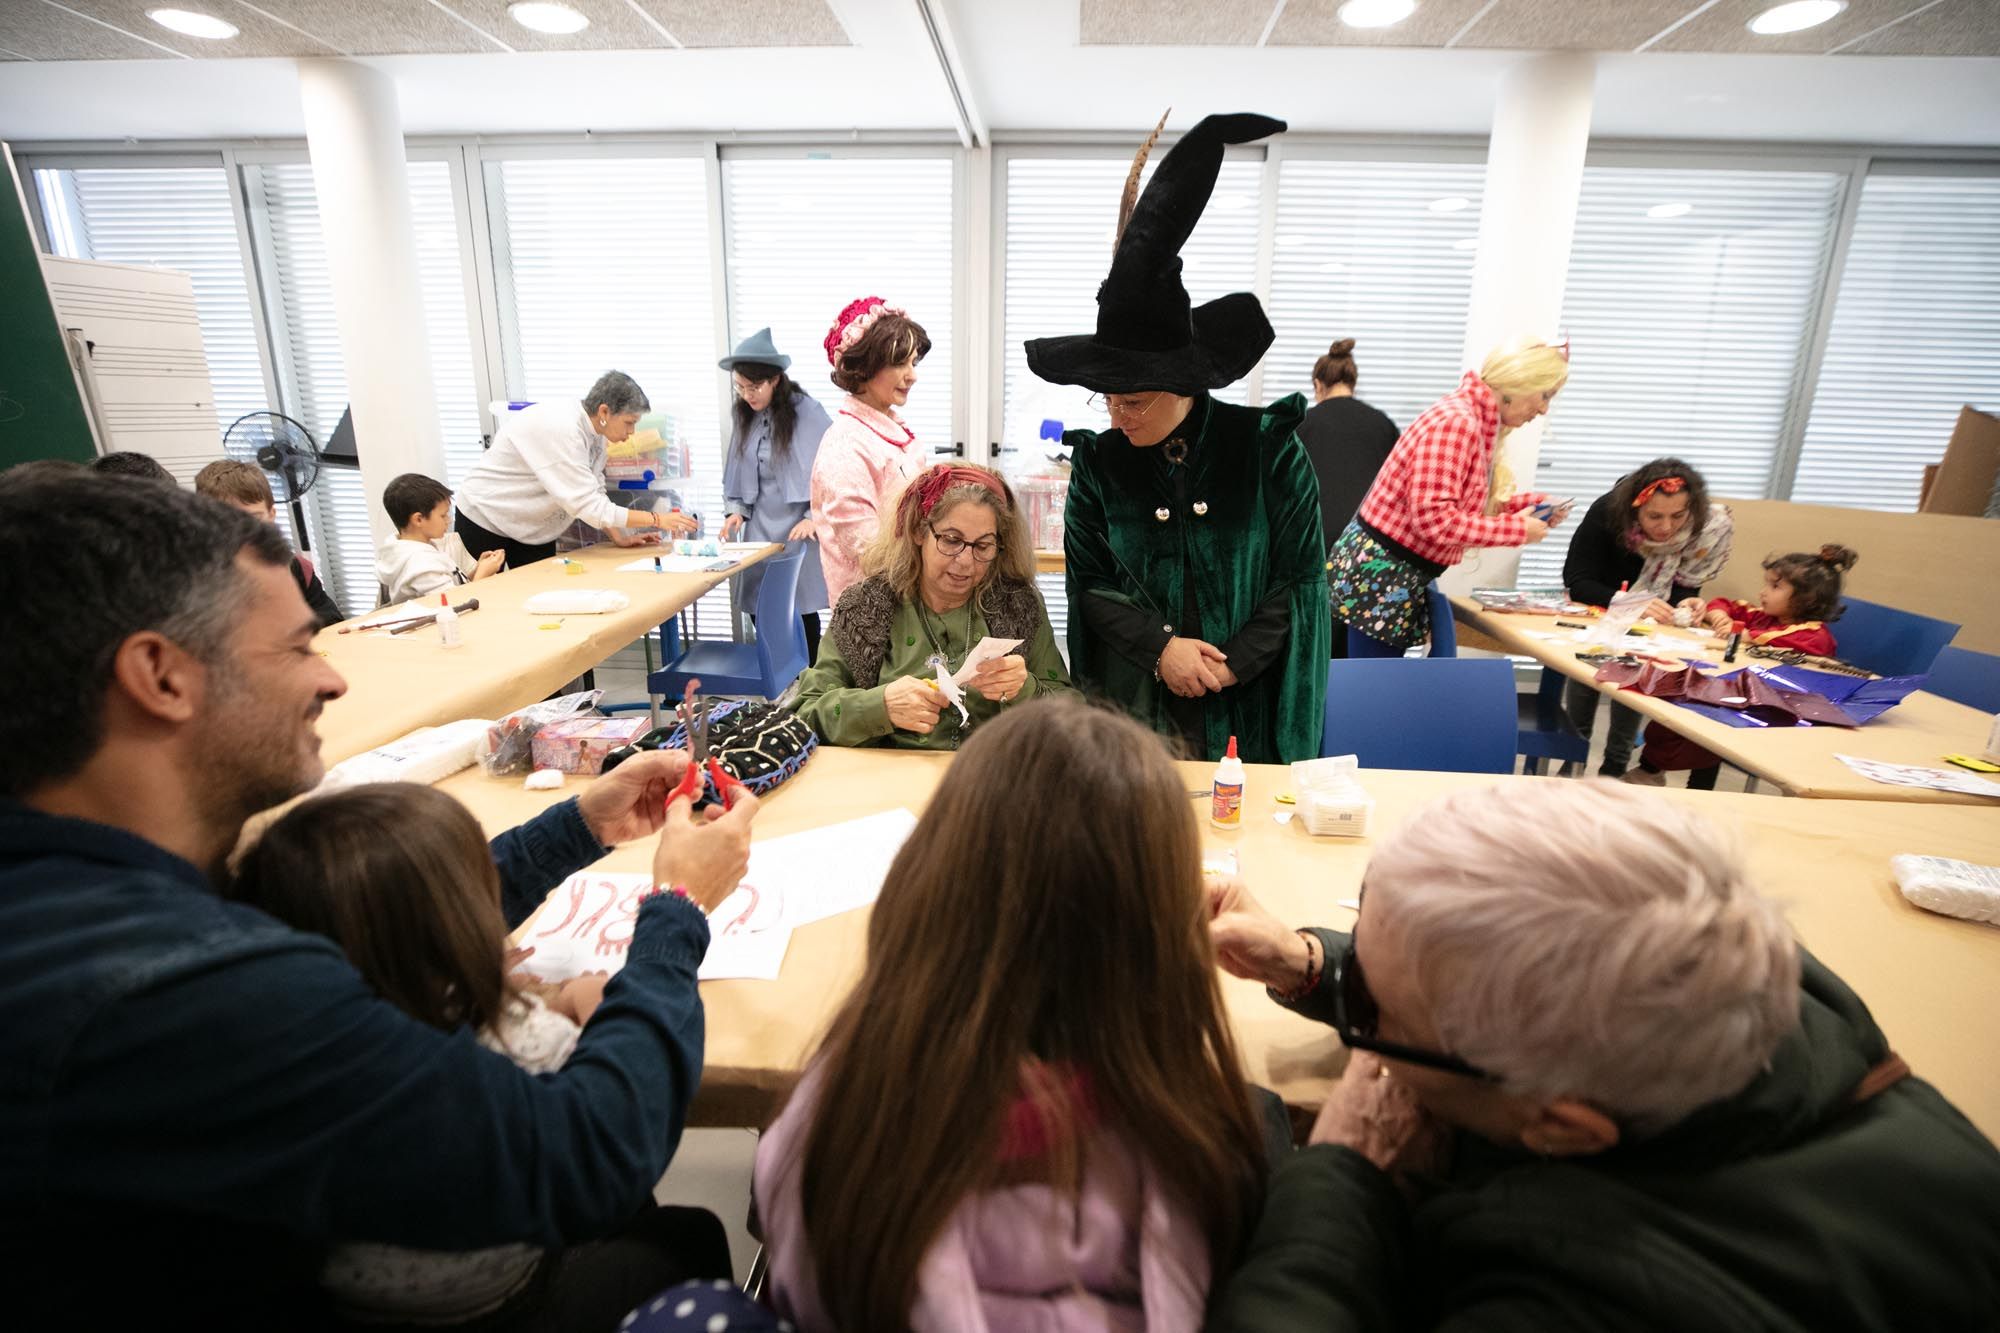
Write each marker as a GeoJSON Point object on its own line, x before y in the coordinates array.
{"type": "Point", "coordinates": [354, 132]}
{"type": "Point", "coordinates": [1527, 219]}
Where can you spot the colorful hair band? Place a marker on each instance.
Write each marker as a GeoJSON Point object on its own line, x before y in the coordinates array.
{"type": "Point", "coordinates": [1666, 485]}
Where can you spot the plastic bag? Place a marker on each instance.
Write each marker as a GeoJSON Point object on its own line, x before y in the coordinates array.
{"type": "Point", "coordinates": [510, 741]}
{"type": "Point", "coordinates": [1951, 888]}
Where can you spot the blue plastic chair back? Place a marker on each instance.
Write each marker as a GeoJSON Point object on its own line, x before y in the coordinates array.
{"type": "Point", "coordinates": [781, 639]}
{"type": "Point", "coordinates": [1967, 677]}
{"type": "Point", "coordinates": [1444, 630]}
{"type": "Point", "coordinates": [1446, 714]}
{"type": "Point", "coordinates": [1888, 641]}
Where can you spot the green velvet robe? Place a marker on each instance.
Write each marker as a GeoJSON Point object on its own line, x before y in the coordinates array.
{"type": "Point", "coordinates": [1259, 538]}
{"type": "Point", "coordinates": [845, 714]}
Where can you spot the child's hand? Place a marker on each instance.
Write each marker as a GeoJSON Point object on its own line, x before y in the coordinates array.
{"type": "Point", "coordinates": [577, 999]}
{"type": "Point", "coordinates": [490, 562]}
{"type": "Point", "coordinates": [1719, 621]}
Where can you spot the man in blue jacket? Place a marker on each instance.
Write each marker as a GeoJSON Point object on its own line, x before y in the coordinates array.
{"type": "Point", "coordinates": [196, 1099]}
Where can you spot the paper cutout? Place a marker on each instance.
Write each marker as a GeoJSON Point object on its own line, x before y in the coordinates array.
{"type": "Point", "coordinates": [1915, 775]}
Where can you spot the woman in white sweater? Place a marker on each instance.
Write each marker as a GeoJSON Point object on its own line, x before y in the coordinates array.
{"type": "Point", "coordinates": [545, 470]}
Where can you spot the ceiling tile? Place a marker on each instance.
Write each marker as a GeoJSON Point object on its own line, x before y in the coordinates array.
{"type": "Point", "coordinates": [40, 32]}
{"type": "Point", "coordinates": [256, 35]}
{"type": "Point", "coordinates": [1173, 22]}
{"type": "Point", "coordinates": [748, 22]}
{"type": "Point", "coordinates": [1563, 25]}
{"type": "Point", "coordinates": [1952, 28]}
{"type": "Point", "coordinates": [379, 27]}
{"type": "Point", "coordinates": [614, 26]}
{"type": "Point", "coordinates": [1726, 28]}
{"type": "Point", "coordinates": [1317, 23]}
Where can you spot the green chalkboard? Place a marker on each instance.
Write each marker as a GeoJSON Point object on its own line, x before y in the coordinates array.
{"type": "Point", "coordinates": [41, 412]}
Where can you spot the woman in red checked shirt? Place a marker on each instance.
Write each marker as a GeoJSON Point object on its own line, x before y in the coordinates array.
{"type": "Point", "coordinates": [1434, 499]}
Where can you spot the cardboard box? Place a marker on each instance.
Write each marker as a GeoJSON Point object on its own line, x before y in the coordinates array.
{"type": "Point", "coordinates": [1964, 480]}
{"type": "Point", "coordinates": [579, 744]}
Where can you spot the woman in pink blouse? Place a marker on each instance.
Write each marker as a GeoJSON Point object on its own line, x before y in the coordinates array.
{"type": "Point", "coordinates": [868, 454]}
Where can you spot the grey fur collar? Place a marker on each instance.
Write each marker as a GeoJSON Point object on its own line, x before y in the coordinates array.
{"type": "Point", "coordinates": [861, 620]}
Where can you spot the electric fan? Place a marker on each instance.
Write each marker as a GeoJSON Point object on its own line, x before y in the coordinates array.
{"type": "Point", "coordinates": [285, 450]}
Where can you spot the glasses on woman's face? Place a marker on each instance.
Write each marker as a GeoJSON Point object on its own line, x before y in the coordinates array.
{"type": "Point", "coordinates": [950, 543]}
{"type": "Point", "coordinates": [1356, 1017]}
{"type": "Point", "coordinates": [1127, 405]}
{"type": "Point", "coordinates": [744, 388]}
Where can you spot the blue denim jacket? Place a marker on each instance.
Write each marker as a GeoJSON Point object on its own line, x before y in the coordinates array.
{"type": "Point", "coordinates": [192, 1091]}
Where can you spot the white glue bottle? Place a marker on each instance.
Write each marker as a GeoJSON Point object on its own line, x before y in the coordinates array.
{"type": "Point", "coordinates": [1225, 808]}
{"type": "Point", "coordinates": [447, 623]}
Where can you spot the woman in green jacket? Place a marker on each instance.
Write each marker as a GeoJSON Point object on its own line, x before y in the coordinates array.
{"type": "Point", "coordinates": [953, 567]}
{"type": "Point", "coordinates": [1596, 1084]}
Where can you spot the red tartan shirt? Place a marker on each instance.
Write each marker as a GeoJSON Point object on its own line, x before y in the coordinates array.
{"type": "Point", "coordinates": [1807, 636]}
{"type": "Point", "coordinates": [1431, 493]}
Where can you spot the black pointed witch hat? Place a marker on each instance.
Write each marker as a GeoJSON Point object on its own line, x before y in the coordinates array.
{"type": "Point", "coordinates": [1147, 337]}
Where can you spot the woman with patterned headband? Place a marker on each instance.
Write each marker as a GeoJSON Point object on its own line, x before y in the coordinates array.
{"type": "Point", "coordinates": [953, 565]}
{"type": "Point", "coordinates": [1655, 530]}
{"type": "Point", "coordinates": [867, 455]}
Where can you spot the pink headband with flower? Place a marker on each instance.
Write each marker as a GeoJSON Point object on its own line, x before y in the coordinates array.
{"type": "Point", "coordinates": [854, 321]}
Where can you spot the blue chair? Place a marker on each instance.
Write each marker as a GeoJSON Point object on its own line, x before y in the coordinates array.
{"type": "Point", "coordinates": [1444, 630]}
{"type": "Point", "coordinates": [1545, 731]}
{"type": "Point", "coordinates": [1447, 714]}
{"type": "Point", "coordinates": [1967, 677]}
{"type": "Point", "coordinates": [1887, 641]}
{"type": "Point", "coordinates": [759, 670]}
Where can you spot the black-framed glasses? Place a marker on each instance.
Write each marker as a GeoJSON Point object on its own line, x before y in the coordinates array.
{"type": "Point", "coordinates": [950, 543]}
{"type": "Point", "coordinates": [1356, 1017]}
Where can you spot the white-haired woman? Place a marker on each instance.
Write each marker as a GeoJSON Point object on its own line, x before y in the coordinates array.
{"type": "Point", "coordinates": [1442, 491]}
{"type": "Point", "coordinates": [1620, 1094]}
{"type": "Point", "coordinates": [952, 566]}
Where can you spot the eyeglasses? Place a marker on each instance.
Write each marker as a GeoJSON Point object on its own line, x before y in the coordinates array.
{"type": "Point", "coordinates": [1124, 404]}
{"type": "Point", "coordinates": [744, 388]}
{"type": "Point", "coordinates": [1356, 1017]}
{"type": "Point", "coordinates": [950, 543]}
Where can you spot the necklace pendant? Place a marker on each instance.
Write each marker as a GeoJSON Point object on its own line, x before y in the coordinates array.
{"type": "Point", "coordinates": [1200, 508]}
{"type": "Point", "coordinates": [1162, 514]}
{"type": "Point", "coordinates": [1176, 451]}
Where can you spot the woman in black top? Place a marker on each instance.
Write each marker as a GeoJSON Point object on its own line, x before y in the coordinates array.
{"type": "Point", "coordinates": [1657, 531]}
{"type": "Point", "coordinates": [1346, 439]}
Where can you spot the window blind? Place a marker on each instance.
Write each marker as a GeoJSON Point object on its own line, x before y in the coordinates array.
{"type": "Point", "coordinates": [1061, 218]}
{"type": "Point", "coordinates": [1915, 337]}
{"type": "Point", "coordinates": [1690, 302]}
{"type": "Point", "coordinates": [806, 235]}
{"type": "Point", "coordinates": [1380, 252]}
{"type": "Point", "coordinates": [602, 263]}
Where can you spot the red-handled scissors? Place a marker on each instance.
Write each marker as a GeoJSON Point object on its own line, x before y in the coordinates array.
{"type": "Point", "coordinates": [694, 723]}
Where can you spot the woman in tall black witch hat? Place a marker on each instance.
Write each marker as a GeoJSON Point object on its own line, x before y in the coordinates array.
{"type": "Point", "coordinates": [1196, 563]}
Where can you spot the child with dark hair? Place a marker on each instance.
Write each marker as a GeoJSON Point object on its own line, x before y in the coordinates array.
{"type": "Point", "coordinates": [125, 463]}
{"type": "Point", "coordinates": [1801, 597]}
{"type": "Point", "coordinates": [425, 556]}
{"type": "Point", "coordinates": [400, 877]}
{"type": "Point", "coordinates": [243, 486]}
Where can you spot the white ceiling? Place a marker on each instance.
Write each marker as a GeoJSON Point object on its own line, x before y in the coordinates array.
{"type": "Point", "coordinates": [1026, 71]}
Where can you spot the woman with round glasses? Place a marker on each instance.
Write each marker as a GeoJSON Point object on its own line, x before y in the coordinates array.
{"type": "Point", "coordinates": [1192, 535]}
{"type": "Point", "coordinates": [775, 430]}
{"type": "Point", "coordinates": [1615, 1091]}
{"type": "Point", "coordinates": [953, 566]}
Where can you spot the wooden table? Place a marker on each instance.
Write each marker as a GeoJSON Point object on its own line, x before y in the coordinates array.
{"type": "Point", "coordinates": [1050, 562]}
{"type": "Point", "coordinates": [1929, 979]}
{"type": "Point", "coordinates": [397, 683]}
{"type": "Point", "coordinates": [1798, 760]}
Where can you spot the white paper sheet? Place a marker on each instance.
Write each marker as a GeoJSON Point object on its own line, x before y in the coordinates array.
{"type": "Point", "coordinates": [674, 564]}
{"type": "Point", "coordinates": [834, 869]}
{"type": "Point", "coordinates": [586, 926]}
{"type": "Point", "coordinates": [984, 651]}
{"type": "Point", "coordinates": [1914, 775]}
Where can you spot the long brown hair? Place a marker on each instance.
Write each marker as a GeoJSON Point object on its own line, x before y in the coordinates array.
{"type": "Point", "coordinates": [400, 877]}
{"type": "Point", "coordinates": [1047, 910]}
{"type": "Point", "coordinates": [784, 407]}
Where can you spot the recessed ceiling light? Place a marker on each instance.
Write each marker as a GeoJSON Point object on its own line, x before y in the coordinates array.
{"type": "Point", "coordinates": [538, 16]}
{"type": "Point", "coordinates": [190, 24]}
{"type": "Point", "coordinates": [1375, 13]}
{"type": "Point", "coordinates": [1669, 210]}
{"type": "Point", "coordinates": [1450, 204]}
{"type": "Point", "coordinates": [1795, 17]}
{"type": "Point", "coordinates": [1469, 243]}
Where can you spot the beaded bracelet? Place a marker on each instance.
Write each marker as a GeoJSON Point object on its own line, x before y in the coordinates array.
{"type": "Point", "coordinates": [1314, 954]}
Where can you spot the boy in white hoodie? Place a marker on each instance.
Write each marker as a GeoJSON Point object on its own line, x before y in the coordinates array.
{"type": "Point", "coordinates": [425, 556]}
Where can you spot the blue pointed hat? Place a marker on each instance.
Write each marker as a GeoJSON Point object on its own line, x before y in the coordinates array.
{"type": "Point", "coordinates": [756, 350]}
